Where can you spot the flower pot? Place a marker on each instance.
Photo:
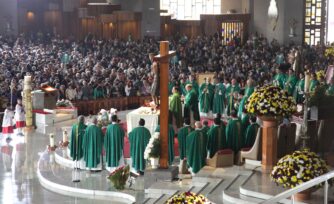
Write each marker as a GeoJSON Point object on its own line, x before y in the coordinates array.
{"type": "Point", "coordinates": [154, 163]}
{"type": "Point", "coordinates": [304, 195]}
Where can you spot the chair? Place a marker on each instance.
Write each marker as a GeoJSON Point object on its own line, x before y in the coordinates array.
{"type": "Point", "coordinates": [222, 158]}
{"type": "Point", "coordinates": [253, 153]}
{"type": "Point", "coordinates": [286, 137]}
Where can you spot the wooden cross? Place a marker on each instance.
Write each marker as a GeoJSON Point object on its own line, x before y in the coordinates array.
{"type": "Point", "coordinates": [163, 60]}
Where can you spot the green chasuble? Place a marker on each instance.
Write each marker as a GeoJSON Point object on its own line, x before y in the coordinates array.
{"type": "Point", "coordinates": [230, 99]}
{"type": "Point", "coordinates": [77, 134]}
{"type": "Point", "coordinates": [98, 93]}
{"type": "Point", "coordinates": [216, 139]}
{"type": "Point", "coordinates": [250, 135]}
{"type": "Point", "coordinates": [92, 146]}
{"type": "Point", "coordinates": [218, 99]}
{"type": "Point", "coordinates": [244, 124]}
{"type": "Point", "coordinates": [330, 90]}
{"type": "Point", "coordinates": [170, 142]}
{"type": "Point", "coordinates": [205, 129]}
{"type": "Point", "coordinates": [191, 104]}
{"type": "Point", "coordinates": [279, 80]}
{"type": "Point", "coordinates": [182, 139]}
{"type": "Point", "coordinates": [205, 97]}
{"type": "Point", "coordinates": [114, 144]}
{"type": "Point", "coordinates": [138, 138]}
{"type": "Point", "coordinates": [248, 91]}
{"type": "Point", "coordinates": [196, 150]}
{"type": "Point", "coordinates": [175, 107]}
{"type": "Point", "coordinates": [195, 86]}
{"type": "Point", "coordinates": [290, 84]}
{"type": "Point", "coordinates": [233, 134]}
{"type": "Point", "coordinates": [299, 91]}
{"type": "Point", "coordinates": [313, 84]}
{"type": "Point", "coordinates": [242, 105]}
{"type": "Point", "coordinates": [183, 89]}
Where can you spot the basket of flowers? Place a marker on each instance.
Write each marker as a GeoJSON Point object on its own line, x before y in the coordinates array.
{"type": "Point", "coordinates": [119, 177]}
{"type": "Point", "coordinates": [271, 101]}
{"type": "Point", "coordinates": [297, 168]}
{"type": "Point", "coordinates": [153, 149]}
{"type": "Point", "coordinates": [188, 197]}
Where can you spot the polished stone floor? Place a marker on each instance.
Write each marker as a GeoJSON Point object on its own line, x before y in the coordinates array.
{"type": "Point", "coordinates": [19, 182]}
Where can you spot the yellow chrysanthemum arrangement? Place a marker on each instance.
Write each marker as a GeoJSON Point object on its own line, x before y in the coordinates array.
{"type": "Point", "coordinates": [297, 168]}
{"type": "Point", "coordinates": [271, 101]}
{"type": "Point", "coordinates": [320, 74]}
{"type": "Point", "coordinates": [188, 197]}
{"type": "Point", "coordinates": [329, 52]}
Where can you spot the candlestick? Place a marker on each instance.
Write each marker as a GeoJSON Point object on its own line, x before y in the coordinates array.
{"type": "Point", "coordinates": [65, 136]}
{"type": "Point", "coordinates": [52, 140]}
{"type": "Point", "coordinates": [307, 83]}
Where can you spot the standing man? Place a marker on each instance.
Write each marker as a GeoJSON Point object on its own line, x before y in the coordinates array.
{"type": "Point", "coordinates": [219, 97]}
{"type": "Point", "coordinates": [232, 95]}
{"type": "Point", "coordinates": [233, 133]}
{"type": "Point", "coordinates": [290, 84]}
{"type": "Point", "coordinates": [92, 146]}
{"type": "Point", "coordinates": [114, 144]}
{"type": "Point", "coordinates": [171, 134]}
{"type": "Point", "coordinates": [196, 149]}
{"type": "Point", "coordinates": [139, 138]}
{"type": "Point", "coordinates": [205, 96]}
{"type": "Point", "coordinates": [19, 117]}
{"type": "Point", "coordinates": [182, 139]}
{"type": "Point", "coordinates": [191, 105]}
{"type": "Point", "coordinates": [299, 89]}
{"type": "Point", "coordinates": [279, 78]}
{"type": "Point", "coordinates": [76, 150]}
{"type": "Point", "coordinates": [251, 133]}
{"type": "Point", "coordinates": [7, 122]}
{"type": "Point", "coordinates": [216, 138]}
{"type": "Point", "coordinates": [175, 108]}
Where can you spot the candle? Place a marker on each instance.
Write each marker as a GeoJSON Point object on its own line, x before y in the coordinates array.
{"type": "Point", "coordinates": [27, 78]}
{"type": "Point", "coordinates": [52, 140]}
{"type": "Point", "coordinates": [65, 136]}
{"type": "Point", "coordinates": [307, 83]}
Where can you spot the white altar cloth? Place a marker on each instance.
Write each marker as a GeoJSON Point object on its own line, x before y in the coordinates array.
{"type": "Point", "coordinates": [151, 119]}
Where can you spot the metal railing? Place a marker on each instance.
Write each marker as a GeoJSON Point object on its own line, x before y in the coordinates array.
{"type": "Point", "coordinates": [302, 187]}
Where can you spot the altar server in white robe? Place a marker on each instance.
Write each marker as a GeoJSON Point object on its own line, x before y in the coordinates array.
{"type": "Point", "coordinates": [7, 122]}
{"type": "Point", "coordinates": [19, 117]}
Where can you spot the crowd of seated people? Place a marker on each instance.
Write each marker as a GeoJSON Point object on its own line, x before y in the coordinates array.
{"type": "Point", "coordinates": [92, 69]}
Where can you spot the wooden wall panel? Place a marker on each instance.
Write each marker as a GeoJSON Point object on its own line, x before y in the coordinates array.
{"type": "Point", "coordinates": [128, 27]}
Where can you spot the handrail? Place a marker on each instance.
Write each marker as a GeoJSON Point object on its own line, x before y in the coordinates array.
{"type": "Point", "coordinates": [302, 187]}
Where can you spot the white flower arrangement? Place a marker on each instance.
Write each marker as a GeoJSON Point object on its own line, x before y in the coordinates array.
{"type": "Point", "coordinates": [152, 149]}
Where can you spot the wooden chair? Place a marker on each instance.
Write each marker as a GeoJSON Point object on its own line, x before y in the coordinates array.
{"type": "Point", "coordinates": [222, 158]}
{"type": "Point", "coordinates": [286, 140]}
{"type": "Point", "coordinates": [253, 153]}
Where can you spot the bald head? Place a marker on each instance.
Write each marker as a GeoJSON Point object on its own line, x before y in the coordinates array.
{"type": "Point", "coordinates": [198, 125]}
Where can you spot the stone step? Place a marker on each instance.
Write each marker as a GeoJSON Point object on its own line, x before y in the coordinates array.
{"type": "Point", "coordinates": [236, 197]}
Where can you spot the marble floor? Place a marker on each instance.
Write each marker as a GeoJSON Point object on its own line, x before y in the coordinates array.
{"type": "Point", "coordinates": [23, 155]}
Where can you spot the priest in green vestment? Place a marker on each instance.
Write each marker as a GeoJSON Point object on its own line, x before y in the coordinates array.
{"type": "Point", "coordinates": [98, 92]}
{"type": "Point", "coordinates": [206, 96]}
{"type": "Point", "coordinates": [232, 103]}
{"type": "Point", "coordinates": [114, 144]}
{"type": "Point", "coordinates": [218, 98]}
{"type": "Point", "coordinates": [251, 133]}
{"type": "Point", "coordinates": [194, 84]}
{"type": "Point", "coordinates": [175, 108]}
{"type": "Point", "coordinates": [216, 138]}
{"type": "Point", "coordinates": [77, 134]}
{"type": "Point", "coordinates": [233, 133]}
{"type": "Point", "coordinates": [249, 89]}
{"type": "Point", "coordinates": [313, 83]}
{"type": "Point", "coordinates": [182, 138]}
{"type": "Point", "coordinates": [232, 95]}
{"type": "Point", "coordinates": [299, 89]}
{"type": "Point", "coordinates": [279, 79]}
{"type": "Point", "coordinates": [139, 138]}
{"type": "Point", "coordinates": [205, 126]}
{"type": "Point", "coordinates": [244, 123]}
{"type": "Point", "coordinates": [171, 135]}
{"type": "Point", "coordinates": [92, 146]}
{"type": "Point", "coordinates": [191, 105]}
{"type": "Point", "coordinates": [196, 149]}
{"type": "Point", "coordinates": [290, 84]}
{"type": "Point", "coordinates": [183, 90]}
{"type": "Point", "coordinates": [330, 89]}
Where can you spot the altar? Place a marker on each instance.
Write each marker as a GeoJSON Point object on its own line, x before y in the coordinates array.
{"type": "Point", "coordinates": [151, 118]}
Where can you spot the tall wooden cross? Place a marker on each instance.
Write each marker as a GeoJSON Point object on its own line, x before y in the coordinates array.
{"type": "Point", "coordinates": [163, 60]}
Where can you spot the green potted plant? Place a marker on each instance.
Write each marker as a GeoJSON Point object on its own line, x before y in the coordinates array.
{"type": "Point", "coordinates": [152, 150]}
{"type": "Point", "coordinates": [119, 177]}
{"type": "Point", "coordinates": [297, 168]}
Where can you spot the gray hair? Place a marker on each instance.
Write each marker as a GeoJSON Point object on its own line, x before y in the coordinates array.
{"type": "Point", "coordinates": [81, 119]}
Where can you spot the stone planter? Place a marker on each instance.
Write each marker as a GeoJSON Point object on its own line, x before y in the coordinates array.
{"type": "Point", "coordinates": [304, 195]}
{"type": "Point", "coordinates": [154, 163]}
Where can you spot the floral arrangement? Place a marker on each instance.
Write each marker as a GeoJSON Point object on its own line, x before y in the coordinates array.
{"type": "Point", "coordinates": [297, 168]}
{"type": "Point", "coordinates": [119, 177]}
{"type": "Point", "coordinates": [64, 103]}
{"type": "Point", "coordinates": [103, 118]}
{"type": "Point", "coordinates": [329, 52]}
{"type": "Point", "coordinates": [188, 197]}
{"type": "Point", "coordinates": [320, 74]}
{"type": "Point", "coordinates": [153, 147]}
{"type": "Point", "coordinates": [270, 100]}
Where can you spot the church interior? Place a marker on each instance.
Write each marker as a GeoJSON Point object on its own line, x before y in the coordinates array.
{"type": "Point", "coordinates": [167, 101]}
